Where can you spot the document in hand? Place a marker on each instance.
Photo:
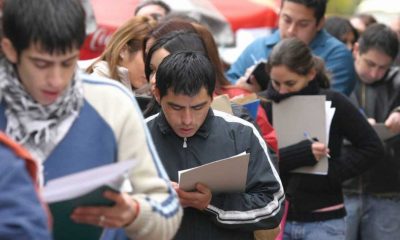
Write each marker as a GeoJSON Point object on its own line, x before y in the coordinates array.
{"type": "Point", "coordinates": [85, 188]}
{"type": "Point", "coordinates": [297, 115]}
{"type": "Point", "coordinates": [383, 132]}
{"type": "Point", "coordinates": [222, 103]}
{"type": "Point", "coordinates": [226, 175]}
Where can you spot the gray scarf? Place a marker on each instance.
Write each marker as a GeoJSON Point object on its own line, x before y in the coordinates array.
{"type": "Point", "coordinates": [39, 128]}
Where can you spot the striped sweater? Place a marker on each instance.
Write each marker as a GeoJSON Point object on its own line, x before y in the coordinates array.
{"type": "Point", "coordinates": [110, 128]}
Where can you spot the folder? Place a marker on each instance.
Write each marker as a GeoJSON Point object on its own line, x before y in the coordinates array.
{"type": "Point", "coordinates": [222, 176]}
{"type": "Point", "coordinates": [85, 188]}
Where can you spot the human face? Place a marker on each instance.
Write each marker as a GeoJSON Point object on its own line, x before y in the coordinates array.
{"type": "Point", "coordinates": [372, 65]}
{"type": "Point", "coordinates": [185, 114]}
{"type": "Point", "coordinates": [155, 61]}
{"type": "Point", "coordinates": [296, 20]}
{"type": "Point", "coordinates": [286, 81]}
{"type": "Point", "coordinates": [45, 76]}
{"type": "Point", "coordinates": [135, 65]}
{"type": "Point", "coordinates": [348, 39]}
{"type": "Point", "coordinates": [154, 11]}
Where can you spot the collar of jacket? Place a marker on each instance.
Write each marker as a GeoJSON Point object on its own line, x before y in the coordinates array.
{"type": "Point", "coordinates": [203, 131]}
{"type": "Point", "coordinates": [319, 39]}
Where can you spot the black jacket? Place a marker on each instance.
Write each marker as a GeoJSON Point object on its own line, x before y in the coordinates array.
{"type": "Point", "coordinates": [377, 101]}
{"type": "Point", "coordinates": [307, 192]}
{"type": "Point", "coordinates": [229, 216]}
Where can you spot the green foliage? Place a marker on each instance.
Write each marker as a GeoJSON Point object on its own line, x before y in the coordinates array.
{"type": "Point", "coordinates": [342, 7]}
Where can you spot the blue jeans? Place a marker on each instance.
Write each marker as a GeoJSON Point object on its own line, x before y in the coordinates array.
{"type": "Point", "coordinates": [370, 217]}
{"type": "Point", "coordinates": [323, 230]}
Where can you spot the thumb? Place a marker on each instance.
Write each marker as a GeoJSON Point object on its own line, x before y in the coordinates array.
{"type": "Point", "coordinates": [202, 188]}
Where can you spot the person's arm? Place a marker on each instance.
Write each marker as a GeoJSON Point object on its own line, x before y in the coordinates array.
{"type": "Point", "coordinates": [261, 206]}
{"type": "Point", "coordinates": [159, 209]}
{"type": "Point", "coordinates": [365, 147]}
{"type": "Point", "coordinates": [254, 52]}
{"type": "Point", "coordinates": [21, 214]}
{"type": "Point", "coordinates": [152, 211]}
{"type": "Point", "coordinates": [340, 64]}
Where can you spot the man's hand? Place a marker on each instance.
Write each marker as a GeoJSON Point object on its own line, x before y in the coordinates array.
{"type": "Point", "coordinates": [199, 199]}
{"type": "Point", "coordinates": [393, 122]}
{"type": "Point", "coordinates": [122, 214]}
{"type": "Point", "coordinates": [319, 150]}
{"type": "Point", "coordinates": [252, 85]}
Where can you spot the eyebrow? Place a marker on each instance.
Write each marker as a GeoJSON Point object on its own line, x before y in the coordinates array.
{"type": "Point", "coordinates": [299, 20]}
{"type": "Point", "coordinates": [194, 106]}
{"type": "Point", "coordinates": [50, 61]}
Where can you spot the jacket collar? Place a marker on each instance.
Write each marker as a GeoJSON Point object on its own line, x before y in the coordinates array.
{"type": "Point", "coordinates": [203, 131]}
{"type": "Point", "coordinates": [318, 41]}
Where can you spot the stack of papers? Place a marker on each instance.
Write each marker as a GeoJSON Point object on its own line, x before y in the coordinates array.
{"type": "Point", "coordinates": [297, 115]}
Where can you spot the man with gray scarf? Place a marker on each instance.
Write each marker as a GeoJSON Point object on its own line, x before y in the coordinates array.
{"type": "Point", "coordinates": [71, 122]}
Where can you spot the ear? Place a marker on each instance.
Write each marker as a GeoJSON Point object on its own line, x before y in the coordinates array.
{"type": "Point", "coordinates": [321, 24]}
{"type": "Point", "coordinates": [356, 50]}
{"type": "Point", "coordinates": [311, 74]}
{"type": "Point", "coordinates": [9, 50]}
{"type": "Point", "coordinates": [124, 53]}
{"type": "Point", "coordinates": [157, 95]}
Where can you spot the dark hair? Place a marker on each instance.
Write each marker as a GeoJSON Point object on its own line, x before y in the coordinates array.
{"type": "Point", "coordinates": [338, 27]}
{"type": "Point", "coordinates": [212, 53]}
{"type": "Point", "coordinates": [185, 73]}
{"type": "Point", "coordinates": [366, 18]}
{"type": "Point", "coordinates": [319, 6]}
{"type": "Point", "coordinates": [56, 25]}
{"type": "Point", "coordinates": [162, 4]}
{"type": "Point", "coordinates": [380, 37]}
{"type": "Point", "coordinates": [298, 58]}
{"type": "Point", "coordinates": [173, 42]}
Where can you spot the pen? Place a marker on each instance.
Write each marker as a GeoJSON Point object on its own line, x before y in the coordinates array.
{"type": "Point", "coordinates": [254, 59]}
{"type": "Point", "coordinates": [313, 140]}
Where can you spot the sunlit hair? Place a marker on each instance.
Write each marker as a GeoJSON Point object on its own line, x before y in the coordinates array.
{"type": "Point", "coordinates": [129, 36]}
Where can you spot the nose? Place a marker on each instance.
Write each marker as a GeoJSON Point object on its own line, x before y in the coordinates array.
{"type": "Point", "coordinates": [291, 30]}
{"type": "Point", "coordinates": [187, 117]}
{"type": "Point", "coordinates": [55, 79]}
{"type": "Point", "coordinates": [376, 73]}
{"type": "Point", "coordinates": [283, 90]}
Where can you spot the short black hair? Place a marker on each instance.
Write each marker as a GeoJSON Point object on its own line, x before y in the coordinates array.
{"type": "Point", "coordinates": [319, 6]}
{"type": "Point", "coordinates": [185, 72]}
{"type": "Point", "coordinates": [56, 25]}
{"type": "Point", "coordinates": [174, 41]}
{"type": "Point", "coordinates": [338, 27]}
{"type": "Point", "coordinates": [153, 2]}
{"type": "Point", "coordinates": [380, 37]}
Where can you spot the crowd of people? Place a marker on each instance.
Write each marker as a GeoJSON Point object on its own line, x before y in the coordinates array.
{"type": "Point", "coordinates": [148, 98]}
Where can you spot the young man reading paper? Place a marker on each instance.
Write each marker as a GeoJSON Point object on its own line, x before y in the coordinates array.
{"type": "Point", "coordinates": [187, 133]}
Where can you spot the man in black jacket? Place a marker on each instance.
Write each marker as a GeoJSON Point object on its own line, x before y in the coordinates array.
{"type": "Point", "coordinates": [187, 133]}
{"type": "Point", "coordinates": [372, 200]}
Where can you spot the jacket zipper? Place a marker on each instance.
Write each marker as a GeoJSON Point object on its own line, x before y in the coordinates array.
{"type": "Point", "coordinates": [184, 143]}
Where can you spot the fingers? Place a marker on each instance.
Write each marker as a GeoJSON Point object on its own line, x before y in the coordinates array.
{"type": "Point", "coordinates": [199, 199]}
{"type": "Point", "coordinates": [319, 150]}
{"type": "Point", "coordinates": [393, 122]}
{"type": "Point", "coordinates": [121, 214]}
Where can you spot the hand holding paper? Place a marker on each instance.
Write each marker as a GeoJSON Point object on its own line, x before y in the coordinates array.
{"type": "Point", "coordinates": [393, 122]}
{"type": "Point", "coordinates": [198, 199]}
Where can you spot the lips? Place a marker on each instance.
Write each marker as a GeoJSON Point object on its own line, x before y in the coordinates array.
{"type": "Point", "coordinates": [51, 95]}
